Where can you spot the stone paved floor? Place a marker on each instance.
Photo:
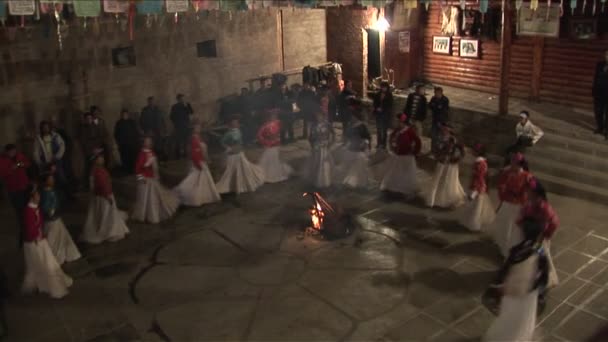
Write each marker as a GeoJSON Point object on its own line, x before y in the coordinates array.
{"type": "Point", "coordinates": [242, 270]}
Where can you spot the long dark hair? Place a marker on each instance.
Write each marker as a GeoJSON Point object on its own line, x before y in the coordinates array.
{"type": "Point", "coordinates": [42, 124]}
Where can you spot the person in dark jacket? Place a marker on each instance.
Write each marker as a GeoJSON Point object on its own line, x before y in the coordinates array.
{"type": "Point", "coordinates": [245, 109]}
{"type": "Point", "coordinates": [415, 107]}
{"type": "Point", "coordinates": [600, 96]}
{"type": "Point", "coordinates": [344, 108]}
{"type": "Point", "coordinates": [383, 109]}
{"type": "Point", "coordinates": [440, 109]}
{"type": "Point", "coordinates": [181, 116]}
{"type": "Point", "coordinates": [152, 124]}
{"type": "Point", "coordinates": [126, 135]}
{"type": "Point", "coordinates": [307, 102]}
{"type": "Point", "coordinates": [284, 102]}
{"type": "Point", "coordinates": [93, 135]}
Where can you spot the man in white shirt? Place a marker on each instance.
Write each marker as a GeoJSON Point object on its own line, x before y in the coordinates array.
{"type": "Point", "coordinates": [527, 134]}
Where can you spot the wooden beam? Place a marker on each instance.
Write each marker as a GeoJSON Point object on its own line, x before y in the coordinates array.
{"type": "Point", "coordinates": [537, 66]}
{"type": "Point", "coordinates": [505, 58]}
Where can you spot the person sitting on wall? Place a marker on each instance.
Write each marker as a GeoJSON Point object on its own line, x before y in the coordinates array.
{"type": "Point", "coordinates": [527, 134]}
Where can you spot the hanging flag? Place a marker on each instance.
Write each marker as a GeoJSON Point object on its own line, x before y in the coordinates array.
{"type": "Point", "coordinates": [483, 6]}
{"type": "Point", "coordinates": [150, 7]}
{"type": "Point", "coordinates": [426, 3]}
{"type": "Point", "coordinates": [603, 5]}
{"type": "Point", "coordinates": [534, 5]}
{"type": "Point", "coordinates": [305, 3]}
{"type": "Point", "coordinates": [21, 7]}
{"type": "Point", "coordinates": [115, 6]}
{"type": "Point", "coordinates": [87, 8]}
{"type": "Point", "coordinates": [207, 5]}
{"type": "Point", "coordinates": [175, 6]}
{"type": "Point", "coordinates": [50, 6]}
{"type": "Point", "coordinates": [2, 9]}
{"type": "Point", "coordinates": [584, 6]}
{"type": "Point", "coordinates": [347, 2]}
{"type": "Point", "coordinates": [594, 7]}
{"type": "Point", "coordinates": [328, 3]}
{"type": "Point", "coordinates": [233, 5]}
{"type": "Point", "coordinates": [411, 4]}
{"type": "Point", "coordinates": [573, 4]}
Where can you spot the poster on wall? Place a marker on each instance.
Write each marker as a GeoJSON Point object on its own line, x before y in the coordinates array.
{"type": "Point", "coordinates": [21, 7]}
{"type": "Point", "coordinates": [175, 6]}
{"type": "Point", "coordinates": [115, 6]}
{"type": "Point", "coordinates": [442, 45]}
{"type": "Point", "coordinates": [543, 22]}
{"type": "Point", "coordinates": [469, 48]}
{"type": "Point", "coordinates": [404, 41]}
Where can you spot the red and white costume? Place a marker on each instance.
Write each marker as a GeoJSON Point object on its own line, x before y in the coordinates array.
{"type": "Point", "coordinates": [513, 185]}
{"type": "Point", "coordinates": [445, 190]}
{"type": "Point", "coordinates": [42, 271]}
{"type": "Point", "coordinates": [153, 203]}
{"type": "Point", "coordinates": [401, 169]}
{"type": "Point", "coordinates": [105, 222]}
{"type": "Point", "coordinates": [480, 211]}
{"type": "Point", "coordinates": [198, 187]}
{"type": "Point", "coordinates": [542, 211]}
{"type": "Point", "coordinates": [269, 136]}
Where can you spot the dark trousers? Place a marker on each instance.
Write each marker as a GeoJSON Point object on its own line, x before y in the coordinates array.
{"type": "Point", "coordinates": [287, 127]}
{"type": "Point", "coordinates": [182, 138]}
{"type": "Point", "coordinates": [19, 200]}
{"type": "Point", "coordinates": [128, 155]}
{"type": "Point", "coordinates": [600, 107]}
{"type": "Point", "coordinates": [306, 120]}
{"type": "Point", "coordinates": [382, 123]}
{"type": "Point", "coordinates": [520, 146]}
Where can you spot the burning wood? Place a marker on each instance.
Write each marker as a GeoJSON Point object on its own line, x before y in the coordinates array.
{"type": "Point", "coordinates": [327, 220]}
{"type": "Point", "coordinates": [317, 212]}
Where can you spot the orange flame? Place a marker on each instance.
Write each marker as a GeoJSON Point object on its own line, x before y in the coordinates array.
{"type": "Point", "coordinates": [316, 216]}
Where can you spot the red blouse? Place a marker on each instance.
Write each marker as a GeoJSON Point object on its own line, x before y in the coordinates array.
{"type": "Point", "coordinates": [15, 179]}
{"type": "Point", "coordinates": [480, 172]}
{"type": "Point", "coordinates": [144, 165]}
{"type": "Point", "coordinates": [269, 135]}
{"type": "Point", "coordinates": [542, 212]}
{"type": "Point", "coordinates": [405, 142]}
{"type": "Point", "coordinates": [197, 154]}
{"type": "Point", "coordinates": [513, 186]}
{"type": "Point", "coordinates": [32, 220]}
{"type": "Point", "coordinates": [102, 183]}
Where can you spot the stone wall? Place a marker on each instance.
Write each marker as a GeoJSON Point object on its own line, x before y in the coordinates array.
{"type": "Point", "coordinates": [37, 80]}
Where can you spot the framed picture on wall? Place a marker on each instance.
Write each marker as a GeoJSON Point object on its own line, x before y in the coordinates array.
{"type": "Point", "coordinates": [582, 28]}
{"type": "Point", "coordinates": [469, 48]}
{"type": "Point", "coordinates": [442, 45]}
{"type": "Point", "coordinates": [123, 57]}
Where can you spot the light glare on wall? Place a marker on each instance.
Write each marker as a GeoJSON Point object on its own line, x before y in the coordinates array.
{"type": "Point", "coordinates": [381, 25]}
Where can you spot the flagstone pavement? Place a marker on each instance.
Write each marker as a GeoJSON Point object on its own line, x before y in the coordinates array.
{"type": "Point", "coordinates": [243, 270]}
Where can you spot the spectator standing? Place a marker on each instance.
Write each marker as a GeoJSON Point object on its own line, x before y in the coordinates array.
{"type": "Point", "coordinates": [93, 136]}
{"type": "Point", "coordinates": [181, 116]}
{"type": "Point", "coordinates": [415, 107]}
{"type": "Point", "coordinates": [600, 96]}
{"type": "Point", "coordinates": [152, 123]}
{"type": "Point", "coordinates": [126, 135]}
{"type": "Point", "coordinates": [344, 108]}
{"type": "Point", "coordinates": [440, 110]}
{"type": "Point", "coordinates": [284, 102]}
{"type": "Point", "coordinates": [307, 102]}
{"type": "Point", "coordinates": [49, 149]}
{"type": "Point", "coordinates": [383, 108]}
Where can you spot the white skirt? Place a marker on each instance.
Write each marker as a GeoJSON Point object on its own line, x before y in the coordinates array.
{"type": "Point", "coordinates": [274, 170]}
{"type": "Point", "coordinates": [104, 222]}
{"type": "Point", "coordinates": [553, 278]}
{"type": "Point", "coordinates": [197, 188]}
{"type": "Point", "coordinates": [60, 241]}
{"type": "Point", "coordinates": [400, 175]}
{"type": "Point", "coordinates": [153, 203]}
{"type": "Point", "coordinates": [478, 213]}
{"type": "Point", "coordinates": [445, 190]}
{"type": "Point", "coordinates": [319, 167]}
{"type": "Point", "coordinates": [356, 170]}
{"type": "Point", "coordinates": [516, 320]}
{"type": "Point", "coordinates": [42, 272]}
{"type": "Point", "coordinates": [505, 231]}
{"type": "Point", "coordinates": [240, 175]}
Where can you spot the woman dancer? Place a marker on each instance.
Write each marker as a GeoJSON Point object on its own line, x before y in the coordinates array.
{"type": "Point", "coordinates": [153, 203]}
{"type": "Point", "coordinates": [445, 190]}
{"type": "Point", "coordinates": [198, 187]}
{"type": "Point", "coordinates": [42, 271]}
{"type": "Point", "coordinates": [356, 161]}
{"type": "Point", "coordinates": [269, 136]}
{"type": "Point", "coordinates": [513, 185]}
{"type": "Point", "coordinates": [480, 210]}
{"type": "Point", "coordinates": [57, 235]}
{"type": "Point", "coordinates": [320, 164]}
{"type": "Point", "coordinates": [240, 174]}
{"type": "Point", "coordinates": [104, 221]}
{"type": "Point", "coordinates": [401, 169]}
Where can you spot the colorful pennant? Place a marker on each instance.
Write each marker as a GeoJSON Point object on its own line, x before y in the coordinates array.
{"type": "Point", "coordinates": [115, 6]}
{"type": "Point", "coordinates": [177, 6]}
{"type": "Point", "coordinates": [2, 10]}
{"type": "Point", "coordinates": [21, 7]}
{"type": "Point", "coordinates": [483, 6]}
{"type": "Point", "coordinates": [87, 8]}
{"type": "Point", "coordinates": [573, 4]}
{"type": "Point", "coordinates": [150, 7]}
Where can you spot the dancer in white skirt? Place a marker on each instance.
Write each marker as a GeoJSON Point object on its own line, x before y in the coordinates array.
{"type": "Point", "coordinates": [355, 165]}
{"type": "Point", "coordinates": [480, 210]}
{"type": "Point", "coordinates": [521, 280]}
{"type": "Point", "coordinates": [401, 170]}
{"type": "Point", "coordinates": [42, 271]}
{"type": "Point", "coordinates": [153, 203]}
{"type": "Point", "coordinates": [104, 221]}
{"type": "Point", "coordinates": [240, 175]}
{"type": "Point", "coordinates": [269, 136]}
{"type": "Point", "coordinates": [445, 190]}
{"type": "Point", "coordinates": [537, 208]}
{"type": "Point", "coordinates": [513, 185]}
{"type": "Point", "coordinates": [57, 235]}
{"type": "Point", "coordinates": [198, 187]}
{"type": "Point", "coordinates": [319, 167]}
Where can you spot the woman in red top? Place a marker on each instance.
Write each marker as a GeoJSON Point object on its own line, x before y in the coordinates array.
{"type": "Point", "coordinates": [513, 185]}
{"type": "Point", "coordinates": [270, 161]}
{"type": "Point", "coordinates": [480, 210]}
{"type": "Point", "coordinates": [104, 221]}
{"type": "Point", "coordinates": [42, 271]}
{"type": "Point", "coordinates": [401, 169]}
{"type": "Point", "coordinates": [153, 203]}
{"type": "Point", "coordinates": [198, 187]}
{"type": "Point", "coordinates": [13, 173]}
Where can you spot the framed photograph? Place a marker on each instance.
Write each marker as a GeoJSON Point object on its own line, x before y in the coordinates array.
{"type": "Point", "coordinates": [442, 45]}
{"type": "Point", "coordinates": [123, 57]}
{"type": "Point", "coordinates": [469, 48]}
{"type": "Point", "coordinates": [582, 28]}
{"type": "Point", "coordinates": [542, 22]}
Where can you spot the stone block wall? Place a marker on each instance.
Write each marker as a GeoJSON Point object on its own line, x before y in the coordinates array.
{"type": "Point", "coordinates": [38, 81]}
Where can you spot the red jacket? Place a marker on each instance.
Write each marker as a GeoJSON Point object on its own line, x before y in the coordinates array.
{"type": "Point", "coordinates": [542, 212]}
{"type": "Point", "coordinates": [405, 142]}
{"type": "Point", "coordinates": [197, 155]}
{"type": "Point", "coordinates": [32, 221]}
{"type": "Point", "coordinates": [513, 186]}
{"type": "Point", "coordinates": [269, 135]}
{"type": "Point", "coordinates": [480, 172]}
{"type": "Point", "coordinates": [144, 167]}
{"type": "Point", "coordinates": [14, 179]}
{"type": "Point", "coordinates": [102, 183]}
